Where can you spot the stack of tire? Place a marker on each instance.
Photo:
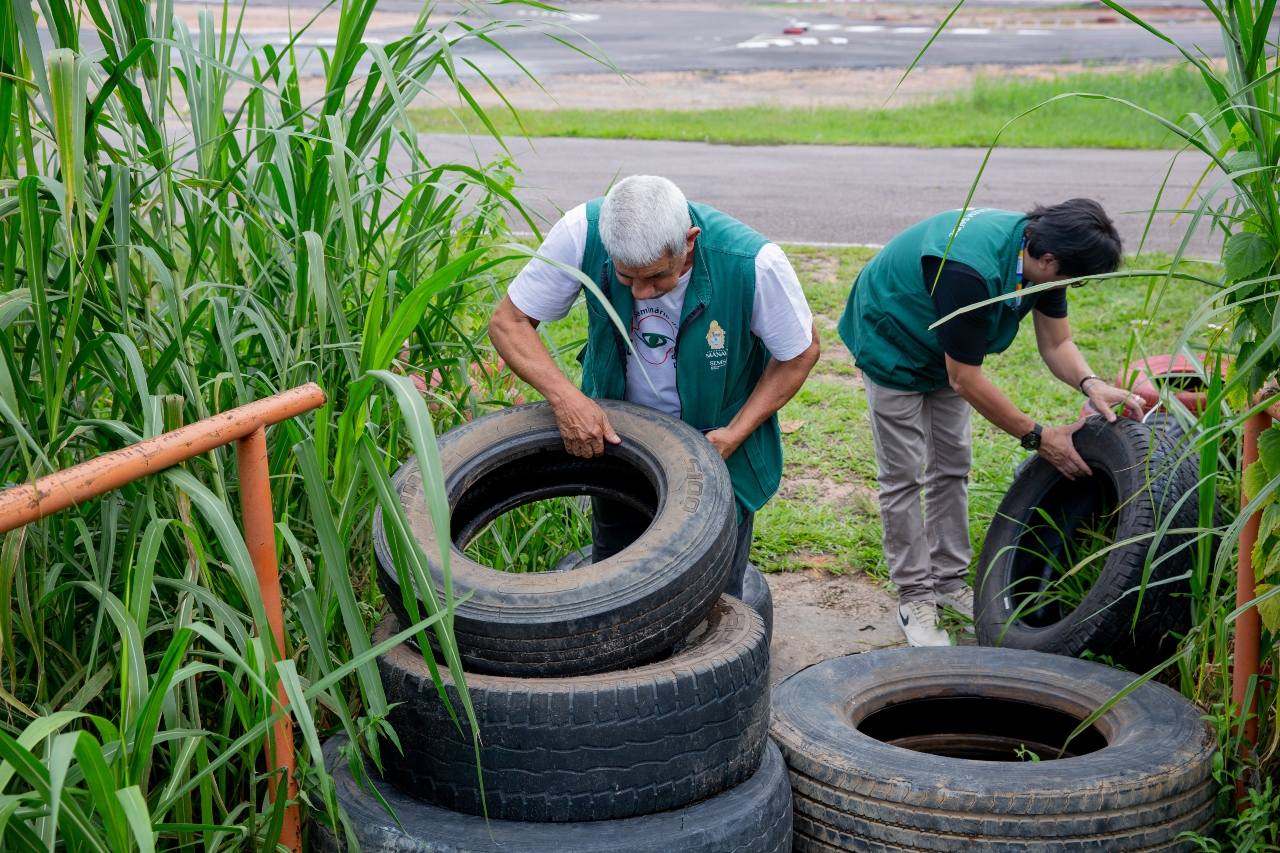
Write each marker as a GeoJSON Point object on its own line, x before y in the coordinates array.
{"type": "Point", "coordinates": [622, 705]}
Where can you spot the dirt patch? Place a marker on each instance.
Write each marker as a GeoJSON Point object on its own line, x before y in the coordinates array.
{"type": "Point", "coordinates": [817, 615]}
{"type": "Point", "coordinates": [800, 88]}
{"type": "Point", "coordinates": [827, 491]}
{"type": "Point", "coordinates": [825, 323]}
{"type": "Point", "coordinates": [824, 268]}
{"type": "Point", "coordinates": [853, 380]}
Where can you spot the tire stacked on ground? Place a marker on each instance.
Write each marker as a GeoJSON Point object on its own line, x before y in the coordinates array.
{"type": "Point", "coordinates": [1149, 482]}
{"type": "Point", "coordinates": [755, 589]}
{"type": "Point", "coordinates": [918, 750]}
{"type": "Point", "coordinates": [622, 705]}
{"type": "Point", "coordinates": [609, 615]}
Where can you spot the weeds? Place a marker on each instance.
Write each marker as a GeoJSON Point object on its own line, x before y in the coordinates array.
{"type": "Point", "coordinates": [182, 230]}
{"type": "Point", "coordinates": [534, 537]}
{"type": "Point", "coordinates": [1067, 557]}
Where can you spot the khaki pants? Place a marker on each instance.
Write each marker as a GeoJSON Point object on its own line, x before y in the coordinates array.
{"type": "Point", "coordinates": [923, 444]}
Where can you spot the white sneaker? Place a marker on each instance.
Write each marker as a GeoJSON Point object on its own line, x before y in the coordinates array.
{"type": "Point", "coordinates": [960, 601]}
{"type": "Point", "coordinates": [919, 621]}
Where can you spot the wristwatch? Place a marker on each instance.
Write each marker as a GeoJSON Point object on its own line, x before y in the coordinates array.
{"type": "Point", "coordinates": [1031, 441]}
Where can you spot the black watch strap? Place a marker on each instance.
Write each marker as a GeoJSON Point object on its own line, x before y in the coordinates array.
{"type": "Point", "coordinates": [1031, 441]}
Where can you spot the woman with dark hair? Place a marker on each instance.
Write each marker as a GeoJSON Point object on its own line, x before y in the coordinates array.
{"type": "Point", "coordinates": [922, 383]}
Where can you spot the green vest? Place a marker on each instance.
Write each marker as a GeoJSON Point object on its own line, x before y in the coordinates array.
{"type": "Point", "coordinates": [886, 321]}
{"type": "Point", "coordinates": [718, 359]}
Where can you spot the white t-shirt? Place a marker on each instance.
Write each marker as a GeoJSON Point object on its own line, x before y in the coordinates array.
{"type": "Point", "coordinates": [780, 315]}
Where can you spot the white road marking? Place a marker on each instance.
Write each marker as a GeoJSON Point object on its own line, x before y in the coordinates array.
{"type": "Point", "coordinates": [864, 28]}
{"type": "Point", "coordinates": [759, 42]}
{"type": "Point", "coordinates": [578, 17]}
{"type": "Point", "coordinates": [839, 40]}
{"type": "Point", "coordinates": [910, 30]}
{"type": "Point", "coordinates": [970, 31]}
{"type": "Point", "coordinates": [807, 42]}
{"type": "Point", "coordinates": [824, 27]}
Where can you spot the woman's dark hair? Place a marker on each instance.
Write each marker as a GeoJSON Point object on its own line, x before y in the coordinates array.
{"type": "Point", "coordinates": [1078, 233]}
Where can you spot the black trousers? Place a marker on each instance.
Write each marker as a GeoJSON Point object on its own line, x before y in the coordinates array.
{"type": "Point", "coordinates": [615, 525]}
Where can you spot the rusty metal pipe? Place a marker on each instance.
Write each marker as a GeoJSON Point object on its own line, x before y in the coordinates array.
{"type": "Point", "coordinates": [260, 538]}
{"type": "Point", "coordinates": [33, 501]}
{"type": "Point", "coordinates": [1248, 634]}
{"type": "Point", "coordinates": [246, 426]}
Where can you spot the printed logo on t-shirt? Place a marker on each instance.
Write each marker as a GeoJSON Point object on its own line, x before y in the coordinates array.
{"type": "Point", "coordinates": [653, 335]}
{"type": "Point", "coordinates": [715, 336]}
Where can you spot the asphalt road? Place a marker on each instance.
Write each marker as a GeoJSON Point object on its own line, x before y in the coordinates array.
{"type": "Point", "coordinates": [643, 38]}
{"type": "Point", "coordinates": [836, 194]}
{"type": "Point", "coordinates": [716, 36]}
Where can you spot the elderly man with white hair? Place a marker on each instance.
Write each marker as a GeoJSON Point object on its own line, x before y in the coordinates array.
{"type": "Point", "coordinates": [721, 337]}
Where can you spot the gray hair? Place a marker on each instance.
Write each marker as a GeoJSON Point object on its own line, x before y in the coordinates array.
{"type": "Point", "coordinates": [643, 219]}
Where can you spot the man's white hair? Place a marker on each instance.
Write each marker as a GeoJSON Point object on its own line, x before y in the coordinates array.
{"type": "Point", "coordinates": [643, 219]}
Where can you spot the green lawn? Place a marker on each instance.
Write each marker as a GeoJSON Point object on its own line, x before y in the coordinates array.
{"type": "Point", "coordinates": [971, 118]}
{"type": "Point", "coordinates": [825, 515]}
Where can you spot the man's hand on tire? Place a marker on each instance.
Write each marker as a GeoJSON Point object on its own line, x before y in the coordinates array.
{"type": "Point", "coordinates": [583, 426]}
{"type": "Point", "coordinates": [1104, 398]}
{"type": "Point", "coordinates": [1059, 451]}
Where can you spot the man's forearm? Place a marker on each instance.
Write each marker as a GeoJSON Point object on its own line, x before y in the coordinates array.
{"type": "Point", "coordinates": [1067, 363]}
{"type": "Point", "coordinates": [1060, 353]}
{"type": "Point", "coordinates": [778, 384]}
{"type": "Point", "coordinates": [515, 337]}
{"type": "Point", "coordinates": [989, 401]}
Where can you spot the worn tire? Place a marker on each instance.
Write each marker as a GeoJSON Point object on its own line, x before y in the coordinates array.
{"type": "Point", "coordinates": [757, 595]}
{"type": "Point", "coordinates": [594, 747]}
{"type": "Point", "coordinates": [610, 615]}
{"type": "Point", "coordinates": [1143, 477]}
{"type": "Point", "coordinates": [1149, 781]}
{"type": "Point", "coordinates": [754, 817]}
{"type": "Point", "coordinates": [755, 589]}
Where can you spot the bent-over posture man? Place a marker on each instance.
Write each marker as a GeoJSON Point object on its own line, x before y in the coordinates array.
{"type": "Point", "coordinates": [719, 325]}
{"type": "Point", "coordinates": [921, 383]}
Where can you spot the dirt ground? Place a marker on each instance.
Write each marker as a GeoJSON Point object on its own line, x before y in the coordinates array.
{"type": "Point", "coordinates": [833, 87]}
{"type": "Point", "coordinates": [817, 615]}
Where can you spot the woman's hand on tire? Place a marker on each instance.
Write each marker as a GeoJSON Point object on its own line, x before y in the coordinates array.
{"type": "Point", "coordinates": [1059, 451]}
{"type": "Point", "coordinates": [1104, 398]}
{"type": "Point", "coordinates": [583, 425]}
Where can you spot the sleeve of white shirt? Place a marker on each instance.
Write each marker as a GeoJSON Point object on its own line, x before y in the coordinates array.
{"type": "Point", "coordinates": [546, 292]}
{"type": "Point", "coordinates": [780, 314]}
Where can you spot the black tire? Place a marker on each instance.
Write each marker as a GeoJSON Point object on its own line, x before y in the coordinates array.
{"type": "Point", "coordinates": [610, 615]}
{"type": "Point", "coordinates": [755, 589]}
{"type": "Point", "coordinates": [756, 593]}
{"type": "Point", "coordinates": [1143, 775]}
{"type": "Point", "coordinates": [754, 817]}
{"type": "Point", "coordinates": [594, 747]}
{"type": "Point", "coordinates": [1141, 476]}
{"type": "Point", "coordinates": [1165, 426]}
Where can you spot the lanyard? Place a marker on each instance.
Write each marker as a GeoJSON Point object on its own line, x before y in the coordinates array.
{"type": "Point", "coordinates": [1017, 302]}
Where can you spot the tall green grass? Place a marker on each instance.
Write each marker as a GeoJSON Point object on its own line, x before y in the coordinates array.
{"type": "Point", "coordinates": [968, 118]}
{"type": "Point", "coordinates": [534, 537]}
{"type": "Point", "coordinates": [169, 250]}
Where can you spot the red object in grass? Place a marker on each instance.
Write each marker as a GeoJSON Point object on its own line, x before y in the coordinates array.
{"type": "Point", "coordinates": [794, 31]}
{"type": "Point", "coordinates": [1146, 376]}
{"type": "Point", "coordinates": [1108, 19]}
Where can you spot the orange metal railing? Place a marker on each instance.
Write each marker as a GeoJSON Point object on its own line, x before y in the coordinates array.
{"type": "Point", "coordinates": [246, 426]}
{"type": "Point", "coordinates": [1248, 635]}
